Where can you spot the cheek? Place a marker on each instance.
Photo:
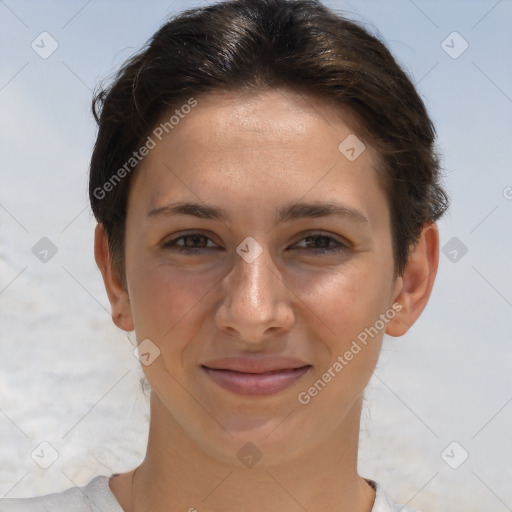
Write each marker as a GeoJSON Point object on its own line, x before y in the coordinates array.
{"type": "Point", "coordinates": [167, 306]}
{"type": "Point", "coordinates": [164, 300]}
{"type": "Point", "coordinates": [346, 301]}
{"type": "Point", "coordinates": [349, 305]}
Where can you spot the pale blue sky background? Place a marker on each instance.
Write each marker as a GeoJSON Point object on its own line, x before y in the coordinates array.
{"type": "Point", "coordinates": [448, 379]}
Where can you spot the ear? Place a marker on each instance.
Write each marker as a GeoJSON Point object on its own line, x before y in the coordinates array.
{"type": "Point", "coordinates": [413, 287]}
{"type": "Point", "coordinates": [117, 295]}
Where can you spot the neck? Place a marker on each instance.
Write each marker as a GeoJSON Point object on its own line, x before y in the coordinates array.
{"type": "Point", "coordinates": [177, 475]}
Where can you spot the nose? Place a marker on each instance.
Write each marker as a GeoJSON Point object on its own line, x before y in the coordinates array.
{"type": "Point", "coordinates": [256, 303]}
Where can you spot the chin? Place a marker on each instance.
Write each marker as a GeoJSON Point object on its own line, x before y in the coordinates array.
{"type": "Point", "coordinates": [266, 441]}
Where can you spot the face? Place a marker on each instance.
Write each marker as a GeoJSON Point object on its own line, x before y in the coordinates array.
{"type": "Point", "coordinates": [271, 287]}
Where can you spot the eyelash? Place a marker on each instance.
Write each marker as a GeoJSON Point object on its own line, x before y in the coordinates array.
{"type": "Point", "coordinates": [171, 244]}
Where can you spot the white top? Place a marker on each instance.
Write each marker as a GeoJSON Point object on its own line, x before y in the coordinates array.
{"type": "Point", "coordinates": [96, 496]}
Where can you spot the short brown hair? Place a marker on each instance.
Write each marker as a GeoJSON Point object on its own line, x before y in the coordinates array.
{"type": "Point", "coordinates": [256, 45]}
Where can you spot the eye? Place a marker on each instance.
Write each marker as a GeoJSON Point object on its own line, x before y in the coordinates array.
{"type": "Point", "coordinates": [192, 243]}
{"type": "Point", "coordinates": [320, 244]}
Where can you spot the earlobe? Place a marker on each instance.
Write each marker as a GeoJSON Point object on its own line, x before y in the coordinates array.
{"type": "Point", "coordinates": [117, 294]}
{"type": "Point", "coordinates": [413, 288]}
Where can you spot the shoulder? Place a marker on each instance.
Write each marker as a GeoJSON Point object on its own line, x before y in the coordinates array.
{"type": "Point", "coordinates": [93, 497]}
{"type": "Point", "coordinates": [383, 502]}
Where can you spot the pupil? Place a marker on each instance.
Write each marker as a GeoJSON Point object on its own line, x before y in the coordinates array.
{"type": "Point", "coordinates": [192, 240]}
{"type": "Point", "coordinates": [319, 241]}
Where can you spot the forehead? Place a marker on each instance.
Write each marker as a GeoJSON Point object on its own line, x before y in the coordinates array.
{"type": "Point", "coordinates": [267, 145]}
{"type": "Point", "coordinates": [271, 118]}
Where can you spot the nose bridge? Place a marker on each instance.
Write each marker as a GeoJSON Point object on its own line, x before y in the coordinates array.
{"type": "Point", "coordinates": [254, 282]}
{"type": "Point", "coordinates": [254, 296]}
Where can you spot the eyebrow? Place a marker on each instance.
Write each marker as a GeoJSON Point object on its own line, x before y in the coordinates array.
{"type": "Point", "coordinates": [283, 213]}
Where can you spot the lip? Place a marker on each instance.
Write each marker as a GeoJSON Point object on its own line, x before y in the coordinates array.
{"type": "Point", "coordinates": [255, 377]}
{"type": "Point", "coordinates": [255, 364]}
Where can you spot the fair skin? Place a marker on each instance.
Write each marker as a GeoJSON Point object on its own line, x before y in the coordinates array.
{"type": "Point", "coordinates": [250, 154]}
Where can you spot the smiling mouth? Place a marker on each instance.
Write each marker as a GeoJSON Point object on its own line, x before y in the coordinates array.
{"type": "Point", "coordinates": [256, 383]}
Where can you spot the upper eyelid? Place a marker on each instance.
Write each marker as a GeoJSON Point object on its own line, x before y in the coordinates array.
{"type": "Point", "coordinates": [340, 240]}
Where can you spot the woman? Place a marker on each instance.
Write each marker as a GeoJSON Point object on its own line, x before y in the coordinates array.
{"type": "Point", "coordinates": [266, 190]}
